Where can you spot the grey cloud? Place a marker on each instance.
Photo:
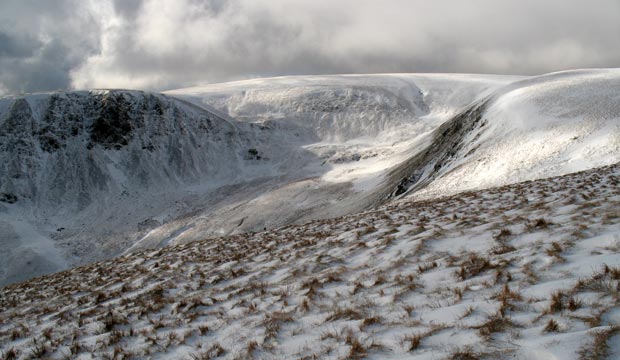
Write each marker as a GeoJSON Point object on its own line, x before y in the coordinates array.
{"type": "Point", "coordinates": [41, 42]}
{"type": "Point", "coordinates": [17, 47]}
{"type": "Point", "coordinates": [159, 44]}
{"type": "Point", "coordinates": [49, 70]}
{"type": "Point", "coordinates": [127, 8]}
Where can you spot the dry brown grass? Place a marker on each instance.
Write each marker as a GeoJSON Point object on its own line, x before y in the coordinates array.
{"type": "Point", "coordinates": [357, 350]}
{"type": "Point", "coordinates": [494, 324]}
{"type": "Point", "coordinates": [556, 303]}
{"type": "Point", "coordinates": [273, 322]}
{"type": "Point", "coordinates": [555, 251]}
{"type": "Point", "coordinates": [212, 352]}
{"type": "Point", "coordinates": [422, 268]}
{"type": "Point", "coordinates": [473, 266]}
{"type": "Point", "coordinates": [9, 354]}
{"type": "Point", "coordinates": [502, 249]}
{"type": "Point", "coordinates": [604, 280]}
{"type": "Point", "coordinates": [598, 348]}
{"type": "Point", "coordinates": [465, 353]}
{"type": "Point", "coordinates": [345, 313]}
{"type": "Point", "coordinates": [538, 224]}
{"type": "Point", "coordinates": [552, 326]}
{"type": "Point", "coordinates": [369, 321]}
{"type": "Point", "coordinates": [412, 342]}
{"type": "Point", "coordinates": [502, 235]}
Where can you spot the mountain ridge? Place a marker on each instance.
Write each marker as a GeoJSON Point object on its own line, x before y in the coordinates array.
{"type": "Point", "coordinates": [280, 151]}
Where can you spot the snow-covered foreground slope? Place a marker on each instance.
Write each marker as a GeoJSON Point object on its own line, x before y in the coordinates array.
{"type": "Point", "coordinates": [538, 127]}
{"type": "Point", "coordinates": [525, 271]}
{"type": "Point", "coordinates": [90, 175]}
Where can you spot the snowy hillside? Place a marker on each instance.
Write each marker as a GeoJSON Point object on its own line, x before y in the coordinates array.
{"type": "Point", "coordinates": [358, 126]}
{"type": "Point", "coordinates": [525, 271]}
{"type": "Point", "coordinates": [90, 175]}
{"type": "Point", "coordinates": [87, 176]}
{"type": "Point", "coordinates": [83, 172]}
{"type": "Point", "coordinates": [397, 262]}
{"type": "Point", "coordinates": [338, 108]}
{"type": "Point", "coordinates": [538, 127]}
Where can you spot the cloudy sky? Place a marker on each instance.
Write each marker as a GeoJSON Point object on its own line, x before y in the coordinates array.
{"type": "Point", "coordinates": [165, 44]}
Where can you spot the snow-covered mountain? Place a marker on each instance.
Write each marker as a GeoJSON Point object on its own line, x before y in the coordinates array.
{"type": "Point", "coordinates": [82, 170]}
{"type": "Point", "coordinates": [398, 216]}
{"type": "Point", "coordinates": [93, 174]}
{"type": "Point", "coordinates": [530, 129]}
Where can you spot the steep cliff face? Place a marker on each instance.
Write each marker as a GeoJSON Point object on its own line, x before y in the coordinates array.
{"type": "Point", "coordinates": [78, 169]}
{"type": "Point", "coordinates": [71, 148]}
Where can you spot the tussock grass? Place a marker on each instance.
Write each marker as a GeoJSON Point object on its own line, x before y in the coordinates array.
{"type": "Point", "coordinates": [598, 348]}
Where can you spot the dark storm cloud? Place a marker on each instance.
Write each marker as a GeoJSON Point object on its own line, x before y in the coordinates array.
{"type": "Point", "coordinates": [41, 42]}
{"type": "Point", "coordinates": [158, 44]}
{"type": "Point", "coordinates": [18, 46]}
{"type": "Point", "coordinates": [48, 70]}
